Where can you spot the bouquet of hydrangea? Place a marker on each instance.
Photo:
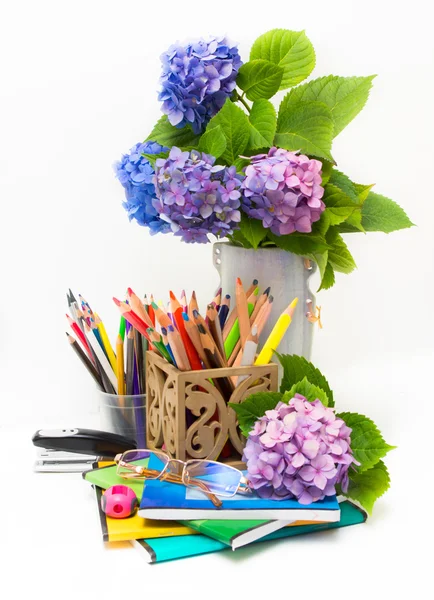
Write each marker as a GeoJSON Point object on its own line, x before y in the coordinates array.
{"type": "Point", "coordinates": [300, 448]}
{"type": "Point", "coordinates": [222, 162]}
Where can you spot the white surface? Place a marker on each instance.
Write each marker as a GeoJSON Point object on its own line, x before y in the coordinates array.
{"type": "Point", "coordinates": [79, 83]}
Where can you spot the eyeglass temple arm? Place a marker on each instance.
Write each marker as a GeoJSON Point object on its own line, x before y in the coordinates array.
{"type": "Point", "coordinates": [172, 478]}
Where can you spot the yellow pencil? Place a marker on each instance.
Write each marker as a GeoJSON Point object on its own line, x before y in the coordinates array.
{"type": "Point", "coordinates": [120, 373]}
{"type": "Point", "coordinates": [107, 346]}
{"type": "Point", "coordinates": [276, 335]}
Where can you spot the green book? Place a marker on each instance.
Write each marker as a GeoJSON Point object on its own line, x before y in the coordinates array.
{"type": "Point", "coordinates": [236, 534]}
{"type": "Point", "coordinates": [171, 548]}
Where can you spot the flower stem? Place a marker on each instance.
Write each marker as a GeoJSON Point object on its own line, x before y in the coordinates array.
{"type": "Point", "coordinates": [244, 103]}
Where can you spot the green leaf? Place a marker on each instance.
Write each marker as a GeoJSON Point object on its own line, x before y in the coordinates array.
{"type": "Point", "coordinates": [341, 206]}
{"type": "Point", "coordinates": [306, 126]}
{"type": "Point", "coordinates": [213, 142]}
{"type": "Point", "coordinates": [253, 408]}
{"type": "Point", "coordinates": [367, 443]}
{"type": "Point", "coordinates": [345, 96]}
{"type": "Point", "coordinates": [362, 191]}
{"type": "Point", "coordinates": [263, 122]}
{"type": "Point", "coordinates": [259, 79]}
{"type": "Point", "coordinates": [299, 243]}
{"type": "Point", "coordinates": [368, 486]}
{"type": "Point", "coordinates": [152, 158]}
{"type": "Point", "coordinates": [307, 389]}
{"type": "Point", "coordinates": [296, 368]}
{"type": "Point", "coordinates": [167, 135]}
{"type": "Point", "coordinates": [339, 256]}
{"type": "Point", "coordinates": [326, 171]}
{"type": "Point", "coordinates": [237, 239]}
{"type": "Point", "coordinates": [236, 129]}
{"type": "Point", "coordinates": [252, 230]}
{"type": "Point", "coordinates": [328, 278]}
{"type": "Point", "coordinates": [344, 183]}
{"type": "Point", "coordinates": [382, 214]}
{"type": "Point", "coordinates": [291, 50]}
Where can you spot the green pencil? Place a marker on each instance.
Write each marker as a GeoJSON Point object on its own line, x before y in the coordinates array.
{"type": "Point", "coordinates": [234, 334]}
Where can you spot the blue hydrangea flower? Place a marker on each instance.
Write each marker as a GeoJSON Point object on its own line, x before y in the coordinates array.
{"type": "Point", "coordinates": [196, 80]}
{"type": "Point", "coordinates": [196, 197]}
{"type": "Point", "coordinates": [135, 173]}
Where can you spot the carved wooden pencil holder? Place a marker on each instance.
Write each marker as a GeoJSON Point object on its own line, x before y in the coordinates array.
{"type": "Point", "coordinates": [187, 413]}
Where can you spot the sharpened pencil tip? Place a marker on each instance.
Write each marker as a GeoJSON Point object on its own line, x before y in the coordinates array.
{"type": "Point", "coordinates": [255, 282]}
{"type": "Point", "coordinates": [154, 306]}
{"type": "Point", "coordinates": [267, 291]}
{"type": "Point", "coordinates": [130, 292]}
{"type": "Point", "coordinates": [294, 303]}
{"type": "Point", "coordinates": [172, 295]}
{"type": "Point", "coordinates": [116, 301]}
{"type": "Point", "coordinates": [185, 316]}
{"type": "Point", "coordinates": [195, 313]}
{"type": "Point", "coordinates": [270, 298]}
{"type": "Point", "coordinates": [228, 296]}
{"type": "Point", "coordinates": [239, 281]}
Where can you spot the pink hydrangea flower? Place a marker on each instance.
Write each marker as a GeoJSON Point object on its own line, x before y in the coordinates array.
{"type": "Point", "coordinates": [299, 450]}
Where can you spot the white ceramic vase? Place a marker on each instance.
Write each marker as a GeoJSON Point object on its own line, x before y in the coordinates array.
{"type": "Point", "coordinates": [288, 277]}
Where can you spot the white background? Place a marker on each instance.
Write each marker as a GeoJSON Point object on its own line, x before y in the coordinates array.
{"type": "Point", "coordinates": [79, 82]}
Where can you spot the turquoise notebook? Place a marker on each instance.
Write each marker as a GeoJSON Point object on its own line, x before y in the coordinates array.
{"type": "Point", "coordinates": [164, 500]}
{"type": "Point", "coordinates": [163, 549]}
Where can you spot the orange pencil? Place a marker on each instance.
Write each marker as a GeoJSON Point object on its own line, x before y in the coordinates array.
{"type": "Point", "coordinates": [243, 311]}
{"type": "Point", "coordinates": [138, 308]}
{"type": "Point", "coordinates": [193, 305]}
{"type": "Point", "coordinates": [161, 316]}
{"type": "Point", "coordinates": [193, 357]}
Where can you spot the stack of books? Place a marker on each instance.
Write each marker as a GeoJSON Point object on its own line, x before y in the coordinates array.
{"type": "Point", "coordinates": [174, 521]}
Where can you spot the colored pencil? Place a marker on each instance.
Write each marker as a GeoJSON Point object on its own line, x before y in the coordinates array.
{"type": "Point", "coordinates": [251, 289]}
{"type": "Point", "coordinates": [224, 310]}
{"type": "Point", "coordinates": [137, 306]}
{"type": "Point", "coordinates": [161, 316]}
{"type": "Point", "coordinates": [84, 359]}
{"type": "Point", "coordinates": [193, 305]}
{"type": "Point", "coordinates": [264, 313]}
{"type": "Point", "coordinates": [217, 299]}
{"type": "Point", "coordinates": [103, 360]}
{"type": "Point", "coordinates": [215, 361]}
{"type": "Point", "coordinates": [276, 335]}
{"type": "Point", "coordinates": [106, 342]}
{"type": "Point", "coordinates": [193, 333]}
{"type": "Point", "coordinates": [130, 363]}
{"type": "Point", "coordinates": [234, 335]}
{"type": "Point", "coordinates": [151, 313]}
{"type": "Point", "coordinates": [178, 349]}
{"type": "Point", "coordinates": [242, 311]}
{"type": "Point", "coordinates": [120, 372]}
{"type": "Point", "coordinates": [261, 300]}
{"type": "Point", "coordinates": [157, 341]}
{"type": "Point", "coordinates": [184, 301]}
{"type": "Point", "coordinates": [138, 353]}
{"type": "Point", "coordinates": [193, 357]}
{"type": "Point", "coordinates": [122, 325]}
{"type": "Point", "coordinates": [167, 346]}
{"type": "Point", "coordinates": [248, 355]}
{"type": "Point", "coordinates": [131, 317]}
{"type": "Point", "coordinates": [80, 334]}
{"type": "Point", "coordinates": [215, 329]}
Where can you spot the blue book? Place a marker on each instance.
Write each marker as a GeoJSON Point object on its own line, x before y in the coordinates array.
{"type": "Point", "coordinates": [172, 501]}
{"type": "Point", "coordinates": [171, 548]}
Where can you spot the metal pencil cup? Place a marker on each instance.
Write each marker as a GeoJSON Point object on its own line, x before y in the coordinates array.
{"type": "Point", "coordinates": [125, 415]}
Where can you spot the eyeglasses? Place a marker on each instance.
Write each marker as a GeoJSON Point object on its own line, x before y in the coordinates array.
{"type": "Point", "coordinates": [211, 477]}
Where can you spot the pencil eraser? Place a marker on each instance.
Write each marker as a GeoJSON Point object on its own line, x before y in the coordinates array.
{"type": "Point", "coordinates": [119, 501]}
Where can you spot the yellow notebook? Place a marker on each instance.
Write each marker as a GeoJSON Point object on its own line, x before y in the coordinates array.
{"type": "Point", "coordinates": [135, 527]}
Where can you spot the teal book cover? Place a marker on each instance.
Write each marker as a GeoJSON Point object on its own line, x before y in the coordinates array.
{"type": "Point", "coordinates": [164, 549]}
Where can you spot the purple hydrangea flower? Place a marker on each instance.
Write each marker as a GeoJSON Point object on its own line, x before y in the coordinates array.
{"type": "Point", "coordinates": [136, 174]}
{"type": "Point", "coordinates": [284, 190]}
{"type": "Point", "coordinates": [299, 450]}
{"type": "Point", "coordinates": [196, 80]}
{"type": "Point", "coordinates": [196, 197]}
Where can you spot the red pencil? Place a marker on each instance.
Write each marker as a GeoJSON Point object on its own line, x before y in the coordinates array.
{"type": "Point", "coordinates": [192, 354]}
{"type": "Point", "coordinates": [132, 318]}
{"type": "Point", "coordinates": [76, 329]}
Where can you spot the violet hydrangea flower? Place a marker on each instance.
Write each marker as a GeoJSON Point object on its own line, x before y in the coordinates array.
{"type": "Point", "coordinates": [284, 191]}
{"type": "Point", "coordinates": [196, 80]}
{"type": "Point", "coordinates": [136, 174]}
{"type": "Point", "coordinates": [196, 197]}
{"type": "Point", "coordinates": [299, 450]}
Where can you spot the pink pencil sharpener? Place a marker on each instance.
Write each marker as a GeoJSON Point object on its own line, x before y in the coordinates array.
{"type": "Point", "coordinates": [119, 501]}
